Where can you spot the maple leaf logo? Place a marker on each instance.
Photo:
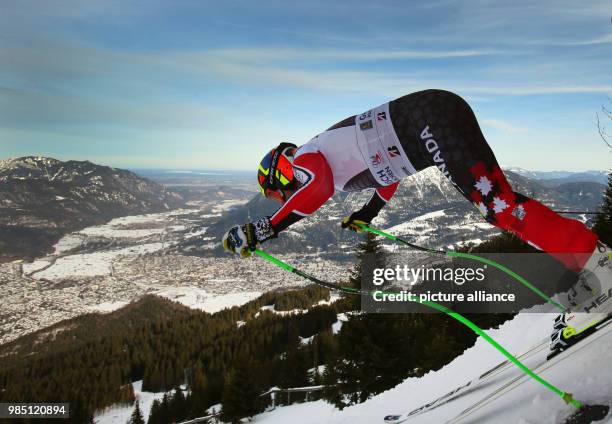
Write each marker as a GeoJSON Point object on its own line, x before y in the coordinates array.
{"type": "Point", "coordinates": [499, 205]}
{"type": "Point", "coordinates": [484, 185]}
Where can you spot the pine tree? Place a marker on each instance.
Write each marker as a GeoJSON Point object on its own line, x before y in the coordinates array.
{"type": "Point", "coordinates": [136, 417]}
{"type": "Point", "coordinates": [164, 409]}
{"type": "Point", "coordinates": [294, 367]}
{"type": "Point", "coordinates": [241, 393]}
{"type": "Point", "coordinates": [331, 391]}
{"type": "Point", "coordinates": [178, 404]}
{"type": "Point", "coordinates": [603, 222]}
{"type": "Point", "coordinates": [154, 414]}
{"type": "Point", "coordinates": [199, 398]}
{"type": "Point", "coordinates": [370, 254]}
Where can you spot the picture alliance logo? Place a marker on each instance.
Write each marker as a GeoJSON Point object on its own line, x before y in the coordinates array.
{"type": "Point", "coordinates": [458, 276]}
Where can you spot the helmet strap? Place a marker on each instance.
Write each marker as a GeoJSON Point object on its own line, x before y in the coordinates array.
{"type": "Point", "coordinates": [283, 146]}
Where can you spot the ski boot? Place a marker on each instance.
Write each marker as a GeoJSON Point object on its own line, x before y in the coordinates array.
{"type": "Point", "coordinates": [590, 300]}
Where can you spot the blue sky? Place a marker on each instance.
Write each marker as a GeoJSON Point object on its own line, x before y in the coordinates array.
{"type": "Point", "coordinates": [214, 85]}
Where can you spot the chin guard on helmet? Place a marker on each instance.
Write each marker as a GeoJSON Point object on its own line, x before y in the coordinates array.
{"type": "Point", "coordinates": [275, 172]}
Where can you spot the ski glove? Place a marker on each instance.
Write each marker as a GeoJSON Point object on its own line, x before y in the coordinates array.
{"type": "Point", "coordinates": [366, 214]}
{"type": "Point", "coordinates": [240, 240]}
{"type": "Point", "coordinates": [354, 220]}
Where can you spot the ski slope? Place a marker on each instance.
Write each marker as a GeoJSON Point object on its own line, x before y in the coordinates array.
{"type": "Point", "coordinates": [585, 371]}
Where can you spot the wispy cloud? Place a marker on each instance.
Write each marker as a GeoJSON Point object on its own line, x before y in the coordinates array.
{"type": "Point", "coordinates": [40, 109]}
{"type": "Point", "coordinates": [604, 39]}
{"type": "Point", "coordinates": [309, 54]}
{"type": "Point", "coordinates": [503, 126]}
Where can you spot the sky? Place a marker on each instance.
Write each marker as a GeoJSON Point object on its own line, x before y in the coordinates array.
{"type": "Point", "coordinates": [215, 84]}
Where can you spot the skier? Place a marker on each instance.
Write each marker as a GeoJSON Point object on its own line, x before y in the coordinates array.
{"type": "Point", "coordinates": [376, 149]}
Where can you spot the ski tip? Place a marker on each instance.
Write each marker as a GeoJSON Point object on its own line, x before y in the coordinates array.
{"type": "Point", "coordinates": [588, 414]}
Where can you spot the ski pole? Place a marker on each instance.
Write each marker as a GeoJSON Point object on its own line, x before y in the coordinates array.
{"type": "Point", "coordinates": [477, 258]}
{"type": "Point", "coordinates": [567, 397]}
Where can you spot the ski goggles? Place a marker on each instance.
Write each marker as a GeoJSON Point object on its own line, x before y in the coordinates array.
{"type": "Point", "coordinates": [278, 195]}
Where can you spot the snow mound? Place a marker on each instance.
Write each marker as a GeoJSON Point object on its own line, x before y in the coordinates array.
{"type": "Point", "coordinates": [197, 298]}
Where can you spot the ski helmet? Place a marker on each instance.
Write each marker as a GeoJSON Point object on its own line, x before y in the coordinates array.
{"type": "Point", "coordinates": [275, 172]}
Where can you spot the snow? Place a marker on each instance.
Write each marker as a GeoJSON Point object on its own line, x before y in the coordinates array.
{"type": "Point", "coordinates": [334, 297]}
{"type": "Point", "coordinates": [410, 227]}
{"type": "Point", "coordinates": [197, 233]}
{"type": "Point", "coordinates": [210, 215]}
{"type": "Point", "coordinates": [306, 340]}
{"type": "Point", "coordinates": [67, 243]}
{"type": "Point", "coordinates": [318, 412]}
{"type": "Point", "coordinates": [121, 414]}
{"type": "Point", "coordinates": [226, 205]}
{"type": "Point", "coordinates": [155, 223]}
{"type": "Point", "coordinates": [588, 377]}
{"type": "Point", "coordinates": [91, 264]}
{"type": "Point", "coordinates": [197, 298]}
{"type": "Point", "coordinates": [30, 268]}
{"type": "Point", "coordinates": [106, 307]}
{"type": "Point", "coordinates": [336, 326]}
{"type": "Point", "coordinates": [109, 232]}
{"type": "Point", "coordinates": [148, 225]}
{"type": "Point", "coordinates": [430, 215]}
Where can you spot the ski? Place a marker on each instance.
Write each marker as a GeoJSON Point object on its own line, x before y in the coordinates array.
{"type": "Point", "coordinates": [541, 367]}
{"type": "Point", "coordinates": [465, 388]}
{"type": "Point", "coordinates": [582, 334]}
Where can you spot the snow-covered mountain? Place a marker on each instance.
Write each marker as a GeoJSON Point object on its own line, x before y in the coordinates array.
{"type": "Point", "coordinates": [42, 198]}
{"type": "Point", "coordinates": [554, 178]}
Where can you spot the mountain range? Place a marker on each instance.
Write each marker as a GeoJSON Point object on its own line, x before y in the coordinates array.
{"type": "Point", "coordinates": [555, 178]}
{"type": "Point", "coordinates": [42, 199]}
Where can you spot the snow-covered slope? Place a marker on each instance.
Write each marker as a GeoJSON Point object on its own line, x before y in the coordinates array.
{"type": "Point", "coordinates": [121, 414]}
{"type": "Point", "coordinates": [584, 371]}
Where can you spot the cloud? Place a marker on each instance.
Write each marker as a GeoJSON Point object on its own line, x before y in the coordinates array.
{"type": "Point", "coordinates": [503, 126]}
{"type": "Point", "coordinates": [36, 109]}
{"type": "Point", "coordinates": [604, 39]}
{"type": "Point", "coordinates": [60, 82]}
{"type": "Point", "coordinates": [383, 81]}
{"type": "Point", "coordinates": [306, 54]}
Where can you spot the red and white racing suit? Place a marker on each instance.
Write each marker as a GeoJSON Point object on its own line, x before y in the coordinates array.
{"type": "Point", "coordinates": [429, 128]}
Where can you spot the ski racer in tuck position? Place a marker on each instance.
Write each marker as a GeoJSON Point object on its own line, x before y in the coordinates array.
{"type": "Point", "coordinates": [376, 149]}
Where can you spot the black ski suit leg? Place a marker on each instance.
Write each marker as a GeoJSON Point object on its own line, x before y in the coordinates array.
{"type": "Point", "coordinates": [438, 128]}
